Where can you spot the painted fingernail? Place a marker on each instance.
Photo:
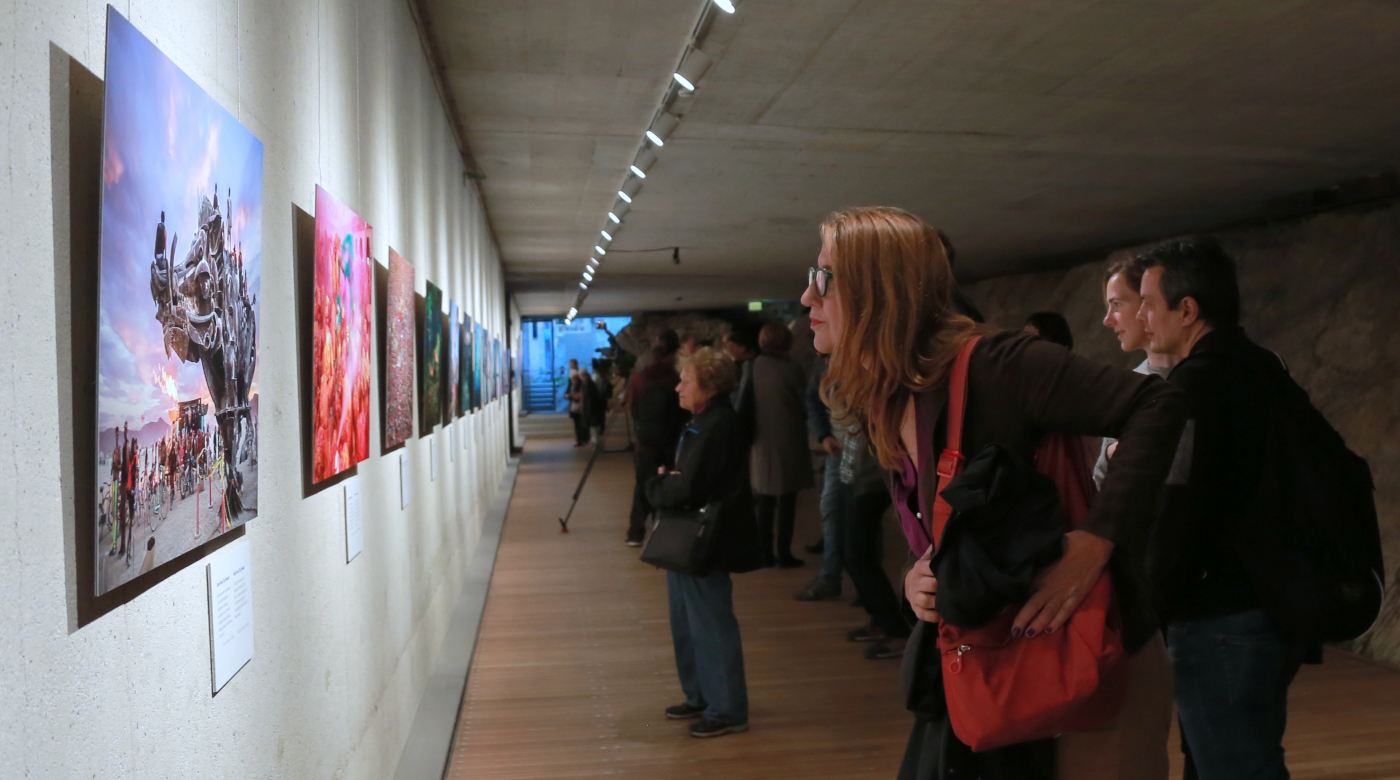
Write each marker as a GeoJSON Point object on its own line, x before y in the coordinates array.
{"type": "Point", "coordinates": [1018, 632]}
{"type": "Point", "coordinates": [1049, 631]}
{"type": "Point", "coordinates": [1030, 632]}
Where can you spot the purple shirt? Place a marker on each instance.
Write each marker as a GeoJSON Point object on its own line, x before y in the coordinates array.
{"type": "Point", "coordinates": [904, 485]}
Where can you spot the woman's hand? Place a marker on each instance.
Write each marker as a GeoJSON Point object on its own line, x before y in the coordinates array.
{"type": "Point", "coordinates": [1065, 585]}
{"type": "Point", "coordinates": [921, 587]}
{"type": "Point", "coordinates": [831, 445]}
{"type": "Point", "coordinates": [660, 469]}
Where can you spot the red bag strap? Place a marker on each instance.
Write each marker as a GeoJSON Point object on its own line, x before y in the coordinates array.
{"type": "Point", "coordinates": [952, 461]}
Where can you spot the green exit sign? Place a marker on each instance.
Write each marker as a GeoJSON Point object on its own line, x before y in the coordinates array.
{"type": "Point", "coordinates": [755, 305]}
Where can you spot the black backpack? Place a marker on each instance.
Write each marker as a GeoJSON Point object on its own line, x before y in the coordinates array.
{"type": "Point", "coordinates": [1311, 542]}
{"type": "Point", "coordinates": [657, 416]}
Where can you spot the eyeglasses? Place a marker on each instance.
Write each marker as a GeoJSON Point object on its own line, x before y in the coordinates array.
{"type": "Point", "coordinates": [819, 279]}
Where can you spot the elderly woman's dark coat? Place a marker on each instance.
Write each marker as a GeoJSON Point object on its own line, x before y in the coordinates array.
{"type": "Point", "coordinates": [713, 464]}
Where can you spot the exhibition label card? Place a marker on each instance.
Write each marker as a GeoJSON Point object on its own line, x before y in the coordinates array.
{"type": "Point", "coordinates": [452, 443]}
{"type": "Point", "coordinates": [230, 576]}
{"type": "Point", "coordinates": [354, 520]}
{"type": "Point", "coordinates": [432, 458]}
{"type": "Point", "coordinates": [403, 480]}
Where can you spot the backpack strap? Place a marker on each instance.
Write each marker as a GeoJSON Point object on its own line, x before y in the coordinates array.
{"type": "Point", "coordinates": [952, 461]}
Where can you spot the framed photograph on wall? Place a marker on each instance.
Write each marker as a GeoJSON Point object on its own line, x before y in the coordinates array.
{"type": "Point", "coordinates": [430, 401]}
{"type": "Point", "coordinates": [398, 389]}
{"type": "Point", "coordinates": [341, 338]}
{"type": "Point", "coordinates": [464, 367]}
{"type": "Point", "coordinates": [177, 354]}
{"type": "Point", "coordinates": [454, 355]}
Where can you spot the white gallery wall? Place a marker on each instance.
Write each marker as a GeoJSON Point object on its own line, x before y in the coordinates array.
{"type": "Point", "coordinates": [341, 95]}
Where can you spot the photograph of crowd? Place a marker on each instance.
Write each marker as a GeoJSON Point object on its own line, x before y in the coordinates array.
{"type": "Point", "coordinates": [430, 403]}
{"type": "Point", "coordinates": [454, 348]}
{"type": "Point", "coordinates": [341, 339]}
{"type": "Point", "coordinates": [177, 387]}
{"type": "Point", "coordinates": [398, 392]}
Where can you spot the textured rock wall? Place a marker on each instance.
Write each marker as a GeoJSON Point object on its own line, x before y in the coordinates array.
{"type": "Point", "coordinates": [1322, 293]}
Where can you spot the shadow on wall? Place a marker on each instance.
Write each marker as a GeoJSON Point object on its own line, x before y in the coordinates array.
{"type": "Point", "coordinates": [1319, 291]}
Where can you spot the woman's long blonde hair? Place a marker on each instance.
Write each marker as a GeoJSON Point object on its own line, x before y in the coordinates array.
{"type": "Point", "coordinates": [899, 331]}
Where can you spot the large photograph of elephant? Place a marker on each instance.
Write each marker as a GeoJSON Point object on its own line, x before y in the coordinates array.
{"type": "Point", "coordinates": [181, 252]}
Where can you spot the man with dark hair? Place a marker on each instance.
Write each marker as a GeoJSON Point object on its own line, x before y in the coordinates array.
{"type": "Point", "coordinates": [657, 419]}
{"type": "Point", "coordinates": [1231, 663]}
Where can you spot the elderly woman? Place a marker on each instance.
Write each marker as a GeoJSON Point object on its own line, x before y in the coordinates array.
{"type": "Point", "coordinates": [781, 461]}
{"type": "Point", "coordinates": [711, 465]}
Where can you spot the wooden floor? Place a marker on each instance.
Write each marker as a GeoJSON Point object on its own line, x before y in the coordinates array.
{"type": "Point", "coordinates": [573, 666]}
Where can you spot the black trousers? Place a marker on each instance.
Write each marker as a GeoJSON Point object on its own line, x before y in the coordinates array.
{"type": "Point", "coordinates": [645, 463]}
{"type": "Point", "coordinates": [785, 507]}
{"type": "Point", "coordinates": [863, 560]}
{"type": "Point", "coordinates": [581, 432]}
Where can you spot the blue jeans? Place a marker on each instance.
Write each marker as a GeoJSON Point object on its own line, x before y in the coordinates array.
{"type": "Point", "coordinates": [1231, 675]}
{"type": "Point", "coordinates": [709, 656]}
{"type": "Point", "coordinates": [833, 507]}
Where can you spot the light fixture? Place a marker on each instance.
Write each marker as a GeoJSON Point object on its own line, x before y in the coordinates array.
{"type": "Point", "coordinates": [645, 159]}
{"type": "Point", "coordinates": [620, 210]}
{"type": "Point", "coordinates": [573, 313]}
{"type": "Point", "coordinates": [588, 277]}
{"type": "Point", "coordinates": [625, 197]}
{"type": "Point", "coordinates": [662, 128]}
{"type": "Point", "coordinates": [595, 261]}
{"type": "Point", "coordinates": [630, 188]}
{"type": "Point", "coordinates": [694, 65]}
{"type": "Point", "coordinates": [582, 286]}
{"type": "Point", "coordinates": [725, 5]}
{"type": "Point", "coordinates": [600, 250]}
{"type": "Point", "coordinates": [606, 234]}
{"type": "Point", "coordinates": [588, 269]}
{"type": "Point", "coordinates": [614, 218]}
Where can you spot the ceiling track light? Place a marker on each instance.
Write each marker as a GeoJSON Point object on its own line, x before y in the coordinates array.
{"type": "Point", "coordinates": [726, 6]}
{"type": "Point", "coordinates": [692, 68]}
{"type": "Point", "coordinates": [630, 188]}
{"type": "Point", "coordinates": [606, 235]}
{"type": "Point", "coordinates": [644, 162]}
{"type": "Point", "coordinates": [601, 251]}
{"type": "Point", "coordinates": [620, 210]}
{"type": "Point", "coordinates": [614, 218]}
{"type": "Point", "coordinates": [588, 277]}
{"type": "Point", "coordinates": [660, 130]}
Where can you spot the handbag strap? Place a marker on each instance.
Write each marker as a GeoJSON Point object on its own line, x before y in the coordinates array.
{"type": "Point", "coordinates": [952, 461]}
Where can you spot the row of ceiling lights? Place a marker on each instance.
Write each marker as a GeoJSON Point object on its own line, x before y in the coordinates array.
{"type": "Point", "coordinates": [694, 64]}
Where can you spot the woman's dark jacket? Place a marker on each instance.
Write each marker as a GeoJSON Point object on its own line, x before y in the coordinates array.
{"type": "Point", "coordinates": [713, 464]}
{"type": "Point", "coordinates": [1020, 388]}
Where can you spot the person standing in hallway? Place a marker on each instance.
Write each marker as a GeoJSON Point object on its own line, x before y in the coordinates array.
{"type": "Point", "coordinates": [1051, 326]}
{"type": "Point", "coordinates": [827, 584]}
{"type": "Point", "coordinates": [577, 393]}
{"type": "Point", "coordinates": [881, 306]}
{"type": "Point", "coordinates": [657, 419]}
{"type": "Point", "coordinates": [1122, 285]}
{"type": "Point", "coordinates": [711, 465]}
{"type": "Point", "coordinates": [1231, 663]}
{"type": "Point", "coordinates": [781, 462]}
{"type": "Point", "coordinates": [742, 345]}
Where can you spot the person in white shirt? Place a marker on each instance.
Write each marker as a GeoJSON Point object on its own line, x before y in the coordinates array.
{"type": "Point", "coordinates": [1122, 295]}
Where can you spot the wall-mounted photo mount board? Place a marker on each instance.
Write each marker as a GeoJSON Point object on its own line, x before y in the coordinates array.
{"type": "Point", "coordinates": [399, 351]}
{"type": "Point", "coordinates": [177, 358]}
{"type": "Point", "coordinates": [341, 338]}
{"type": "Point", "coordinates": [430, 399]}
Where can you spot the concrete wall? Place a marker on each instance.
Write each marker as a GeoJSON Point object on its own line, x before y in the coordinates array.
{"type": "Point", "coordinates": [1322, 293]}
{"type": "Point", "coordinates": [340, 94]}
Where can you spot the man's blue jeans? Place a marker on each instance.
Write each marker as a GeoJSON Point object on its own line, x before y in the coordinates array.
{"type": "Point", "coordinates": [709, 655]}
{"type": "Point", "coordinates": [1231, 675]}
{"type": "Point", "coordinates": [834, 506]}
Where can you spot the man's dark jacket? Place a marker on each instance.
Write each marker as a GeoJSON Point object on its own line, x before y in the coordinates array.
{"type": "Point", "coordinates": [1194, 565]}
{"type": "Point", "coordinates": [713, 464]}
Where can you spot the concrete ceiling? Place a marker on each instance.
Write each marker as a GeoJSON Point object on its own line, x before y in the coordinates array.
{"type": "Point", "coordinates": [1030, 131]}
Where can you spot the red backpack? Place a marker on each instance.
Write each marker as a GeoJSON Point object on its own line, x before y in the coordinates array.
{"type": "Point", "coordinates": [1000, 689]}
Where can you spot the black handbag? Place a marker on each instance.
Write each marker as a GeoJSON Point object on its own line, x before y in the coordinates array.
{"type": "Point", "coordinates": [683, 540]}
